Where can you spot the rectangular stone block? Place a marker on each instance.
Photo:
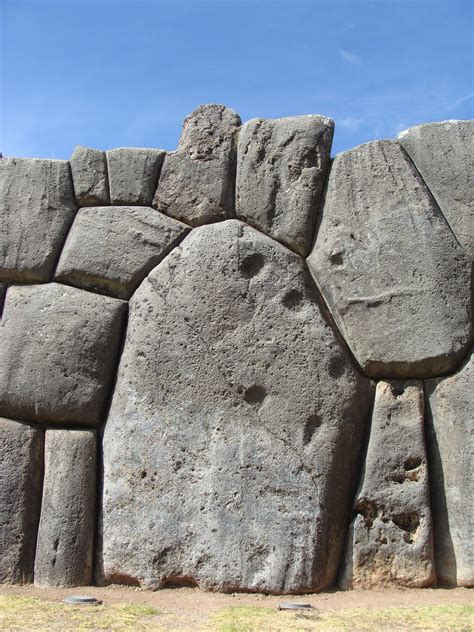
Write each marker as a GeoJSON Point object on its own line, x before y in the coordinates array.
{"type": "Point", "coordinates": [21, 479]}
{"type": "Point", "coordinates": [66, 529]}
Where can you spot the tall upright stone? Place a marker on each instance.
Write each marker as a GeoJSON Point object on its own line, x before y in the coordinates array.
{"type": "Point", "coordinates": [444, 155]}
{"type": "Point", "coordinates": [197, 182]}
{"type": "Point", "coordinates": [21, 479]}
{"type": "Point", "coordinates": [397, 282]}
{"type": "Point", "coordinates": [390, 540]}
{"type": "Point", "coordinates": [89, 174]}
{"type": "Point", "coordinates": [58, 353]}
{"type": "Point", "coordinates": [133, 175]}
{"type": "Point", "coordinates": [37, 207]}
{"type": "Point", "coordinates": [281, 169]}
{"type": "Point", "coordinates": [66, 528]}
{"type": "Point", "coordinates": [232, 442]}
{"type": "Point", "coordinates": [451, 452]}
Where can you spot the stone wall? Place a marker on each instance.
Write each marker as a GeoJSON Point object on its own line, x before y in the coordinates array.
{"type": "Point", "coordinates": [241, 365]}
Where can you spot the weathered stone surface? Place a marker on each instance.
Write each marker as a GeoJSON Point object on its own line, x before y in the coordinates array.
{"type": "Point", "coordinates": [66, 528]}
{"type": "Point", "coordinates": [197, 182]}
{"type": "Point", "coordinates": [112, 249]}
{"type": "Point", "coordinates": [231, 446]}
{"type": "Point", "coordinates": [21, 478]}
{"type": "Point", "coordinates": [58, 349]}
{"type": "Point", "coordinates": [281, 167]}
{"type": "Point", "coordinates": [37, 207]}
{"type": "Point", "coordinates": [450, 438]}
{"type": "Point", "coordinates": [444, 155]}
{"type": "Point", "coordinates": [390, 540]}
{"type": "Point", "coordinates": [133, 174]}
{"type": "Point", "coordinates": [396, 281]}
{"type": "Point", "coordinates": [89, 173]}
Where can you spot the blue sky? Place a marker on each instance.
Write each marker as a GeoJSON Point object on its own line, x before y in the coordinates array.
{"type": "Point", "coordinates": [111, 73]}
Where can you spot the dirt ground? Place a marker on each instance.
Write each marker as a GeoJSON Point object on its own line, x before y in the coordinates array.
{"type": "Point", "coordinates": [192, 608]}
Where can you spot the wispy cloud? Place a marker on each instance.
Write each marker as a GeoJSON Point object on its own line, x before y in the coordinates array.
{"type": "Point", "coordinates": [461, 101]}
{"type": "Point", "coordinates": [348, 55]}
{"type": "Point", "coordinates": [351, 123]}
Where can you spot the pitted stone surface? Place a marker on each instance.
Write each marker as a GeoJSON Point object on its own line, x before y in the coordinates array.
{"type": "Point", "coordinates": [89, 173]}
{"type": "Point", "coordinates": [451, 449]}
{"type": "Point", "coordinates": [281, 167]}
{"type": "Point", "coordinates": [37, 207]}
{"type": "Point", "coordinates": [133, 174]}
{"type": "Point", "coordinates": [396, 281]}
{"type": "Point", "coordinates": [444, 155]}
{"type": "Point", "coordinates": [390, 539]}
{"type": "Point", "coordinates": [231, 446]}
{"type": "Point", "coordinates": [66, 528]}
{"type": "Point", "coordinates": [112, 249]}
{"type": "Point", "coordinates": [21, 478]}
{"type": "Point", "coordinates": [58, 349]}
{"type": "Point", "coordinates": [197, 182]}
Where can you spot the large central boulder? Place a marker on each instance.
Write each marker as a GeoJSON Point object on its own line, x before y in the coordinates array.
{"type": "Point", "coordinates": [231, 447]}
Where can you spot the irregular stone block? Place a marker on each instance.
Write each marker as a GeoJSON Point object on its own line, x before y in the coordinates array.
{"type": "Point", "coordinates": [390, 540]}
{"type": "Point", "coordinates": [443, 154]}
{"type": "Point", "coordinates": [37, 207]}
{"type": "Point", "coordinates": [450, 437]}
{"type": "Point", "coordinates": [197, 182]}
{"type": "Point", "coordinates": [133, 174]}
{"type": "Point", "coordinates": [394, 277]}
{"type": "Point", "coordinates": [112, 249]}
{"type": "Point", "coordinates": [281, 168]}
{"type": "Point", "coordinates": [21, 479]}
{"type": "Point", "coordinates": [58, 349]}
{"type": "Point", "coordinates": [232, 442]}
{"type": "Point", "coordinates": [66, 528]}
{"type": "Point", "coordinates": [89, 173]}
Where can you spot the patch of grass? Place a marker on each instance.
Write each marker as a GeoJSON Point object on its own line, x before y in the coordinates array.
{"type": "Point", "coordinates": [26, 613]}
{"type": "Point", "coordinates": [456, 618]}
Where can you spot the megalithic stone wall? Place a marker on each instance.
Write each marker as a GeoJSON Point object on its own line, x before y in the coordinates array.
{"type": "Point", "coordinates": [242, 365]}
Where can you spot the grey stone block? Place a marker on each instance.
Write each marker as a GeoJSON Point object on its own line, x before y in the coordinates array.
{"type": "Point", "coordinates": [58, 351]}
{"type": "Point", "coordinates": [281, 168]}
{"type": "Point", "coordinates": [197, 182]}
{"type": "Point", "coordinates": [37, 207]}
{"type": "Point", "coordinates": [66, 529]}
{"type": "Point", "coordinates": [393, 275]}
{"type": "Point", "coordinates": [133, 175]}
{"type": "Point", "coordinates": [112, 249]}
{"type": "Point", "coordinates": [89, 173]}
{"type": "Point", "coordinates": [443, 153]}
{"type": "Point", "coordinates": [232, 442]}
{"type": "Point", "coordinates": [21, 479]}
{"type": "Point", "coordinates": [390, 540]}
{"type": "Point", "coordinates": [451, 450]}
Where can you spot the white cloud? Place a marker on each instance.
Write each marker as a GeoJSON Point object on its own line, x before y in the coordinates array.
{"type": "Point", "coordinates": [350, 123]}
{"type": "Point", "coordinates": [349, 56]}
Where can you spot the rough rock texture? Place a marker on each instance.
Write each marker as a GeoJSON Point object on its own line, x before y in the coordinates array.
{"type": "Point", "coordinates": [58, 349]}
{"type": "Point", "coordinates": [197, 182]}
{"type": "Point", "coordinates": [37, 207]}
{"type": "Point", "coordinates": [66, 529]}
{"type": "Point", "coordinates": [133, 174]}
{"type": "Point", "coordinates": [390, 540]}
{"type": "Point", "coordinates": [21, 478]}
{"type": "Point", "coordinates": [112, 249]}
{"type": "Point", "coordinates": [396, 281]}
{"type": "Point", "coordinates": [444, 155]}
{"type": "Point", "coordinates": [230, 449]}
{"type": "Point", "coordinates": [281, 167]}
{"type": "Point", "coordinates": [89, 173]}
{"type": "Point", "coordinates": [451, 449]}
